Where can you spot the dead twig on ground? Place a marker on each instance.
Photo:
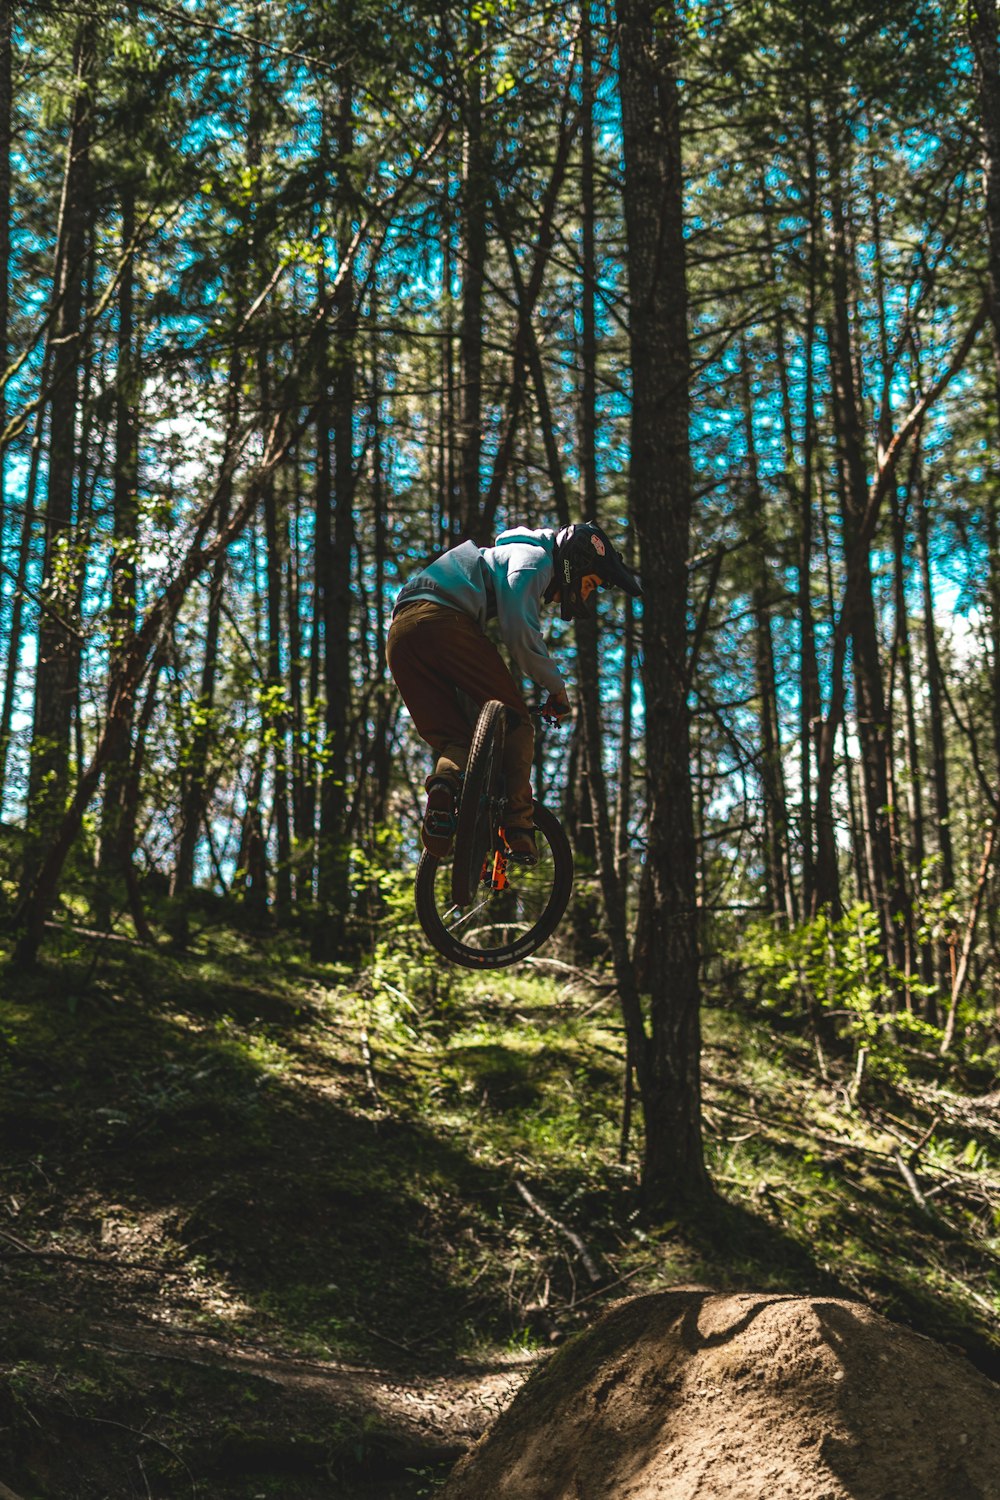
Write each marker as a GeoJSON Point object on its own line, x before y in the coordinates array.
{"type": "Point", "coordinates": [589, 1265]}
{"type": "Point", "coordinates": [909, 1177]}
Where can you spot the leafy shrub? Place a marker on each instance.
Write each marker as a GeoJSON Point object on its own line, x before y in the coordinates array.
{"type": "Point", "coordinates": [836, 973]}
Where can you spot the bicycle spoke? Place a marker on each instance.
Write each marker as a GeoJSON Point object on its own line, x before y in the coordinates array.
{"type": "Point", "coordinates": [465, 915]}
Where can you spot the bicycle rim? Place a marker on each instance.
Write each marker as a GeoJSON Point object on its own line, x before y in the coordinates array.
{"type": "Point", "coordinates": [497, 928]}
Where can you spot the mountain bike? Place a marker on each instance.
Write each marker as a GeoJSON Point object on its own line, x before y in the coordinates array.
{"type": "Point", "coordinates": [479, 908]}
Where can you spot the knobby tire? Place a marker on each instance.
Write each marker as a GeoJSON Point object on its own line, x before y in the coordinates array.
{"type": "Point", "coordinates": [473, 833]}
{"type": "Point", "coordinates": [484, 933]}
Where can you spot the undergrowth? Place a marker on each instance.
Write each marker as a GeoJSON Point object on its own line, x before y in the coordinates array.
{"type": "Point", "coordinates": [232, 1167]}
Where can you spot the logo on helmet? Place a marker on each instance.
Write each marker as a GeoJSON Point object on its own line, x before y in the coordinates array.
{"type": "Point", "coordinates": [597, 545]}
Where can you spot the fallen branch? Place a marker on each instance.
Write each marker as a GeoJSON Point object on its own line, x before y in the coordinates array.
{"type": "Point", "coordinates": [144, 1437]}
{"type": "Point", "coordinates": [570, 1234]}
{"type": "Point", "coordinates": [909, 1177]}
{"type": "Point", "coordinates": [22, 1248]}
{"type": "Point", "coordinates": [369, 1062]}
{"type": "Point", "coordinates": [184, 1359]}
{"type": "Point", "coordinates": [595, 981]}
{"type": "Point", "coordinates": [101, 937]}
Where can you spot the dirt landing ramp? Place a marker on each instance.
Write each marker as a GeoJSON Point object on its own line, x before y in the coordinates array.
{"type": "Point", "coordinates": [688, 1394]}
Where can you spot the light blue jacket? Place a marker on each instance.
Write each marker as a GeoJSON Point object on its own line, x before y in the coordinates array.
{"type": "Point", "coordinates": [504, 582]}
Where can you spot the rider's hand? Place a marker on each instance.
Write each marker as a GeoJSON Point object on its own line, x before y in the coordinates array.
{"type": "Point", "coordinates": [556, 706]}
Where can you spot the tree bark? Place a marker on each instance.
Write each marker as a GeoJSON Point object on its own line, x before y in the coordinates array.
{"type": "Point", "coordinates": [55, 688]}
{"type": "Point", "coordinates": [335, 585]}
{"type": "Point", "coordinates": [660, 481]}
{"type": "Point", "coordinates": [982, 23]}
{"type": "Point", "coordinates": [6, 111]}
{"type": "Point", "coordinates": [776, 858]}
{"type": "Point", "coordinates": [870, 704]}
{"type": "Point", "coordinates": [474, 198]}
{"type": "Point", "coordinates": [274, 716]}
{"type": "Point", "coordinates": [194, 811]}
{"type": "Point", "coordinates": [115, 854]}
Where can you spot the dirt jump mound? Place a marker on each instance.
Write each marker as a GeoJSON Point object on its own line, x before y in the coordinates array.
{"type": "Point", "coordinates": [743, 1397]}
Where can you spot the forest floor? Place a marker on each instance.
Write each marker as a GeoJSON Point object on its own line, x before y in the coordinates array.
{"type": "Point", "coordinates": [271, 1229]}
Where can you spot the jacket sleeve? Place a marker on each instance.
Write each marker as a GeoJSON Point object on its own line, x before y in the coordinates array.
{"type": "Point", "coordinates": [518, 600]}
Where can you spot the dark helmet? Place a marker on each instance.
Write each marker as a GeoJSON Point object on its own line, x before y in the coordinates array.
{"type": "Point", "coordinates": [584, 548]}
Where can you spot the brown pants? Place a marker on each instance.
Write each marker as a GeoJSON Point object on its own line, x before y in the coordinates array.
{"type": "Point", "coordinates": [434, 653]}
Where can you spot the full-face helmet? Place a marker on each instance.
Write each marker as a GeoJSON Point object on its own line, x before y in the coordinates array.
{"type": "Point", "coordinates": [580, 550]}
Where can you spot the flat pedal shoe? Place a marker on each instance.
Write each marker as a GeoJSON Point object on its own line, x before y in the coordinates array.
{"type": "Point", "coordinates": [437, 832]}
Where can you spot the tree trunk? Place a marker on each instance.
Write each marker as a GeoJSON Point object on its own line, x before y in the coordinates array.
{"type": "Point", "coordinates": [194, 810]}
{"type": "Point", "coordinates": [474, 191]}
{"type": "Point", "coordinates": [20, 583]}
{"type": "Point", "coordinates": [776, 859]}
{"type": "Point", "coordinates": [6, 111]}
{"type": "Point", "coordinates": [48, 777]}
{"type": "Point", "coordinates": [870, 705]}
{"type": "Point", "coordinates": [115, 856]}
{"type": "Point", "coordinates": [660, 480]}
{"type": "Point", "coordinates": [335, 586]}
{"type": "Point", "coordinates": [982, 22]}
{"type": "Point", "coordinates": [903, 659]}
{"type": "Point", "coordinates": [274, 716]}
{"type": "Point", "coordinates": [935, 711]}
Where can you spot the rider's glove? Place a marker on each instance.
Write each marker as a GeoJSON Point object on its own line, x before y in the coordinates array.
{"type": "Point", "coordinates": [556, 706]}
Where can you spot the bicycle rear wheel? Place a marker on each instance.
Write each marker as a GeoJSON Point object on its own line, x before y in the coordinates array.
{"type": "Point", "coordinates": [479, 808]}
{"type": "Point", "coordinates": [496, 928]}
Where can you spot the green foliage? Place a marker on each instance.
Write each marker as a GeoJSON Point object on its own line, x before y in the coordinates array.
{"type": "Point", "coordinates": [838, 970]}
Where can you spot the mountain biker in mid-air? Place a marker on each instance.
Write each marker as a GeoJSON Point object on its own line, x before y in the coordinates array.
{"type": "Point", "coordinates": [437, 648]}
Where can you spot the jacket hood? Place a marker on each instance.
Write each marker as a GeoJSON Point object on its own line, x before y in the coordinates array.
{"type": "Point", "coordinates": [544, 537]}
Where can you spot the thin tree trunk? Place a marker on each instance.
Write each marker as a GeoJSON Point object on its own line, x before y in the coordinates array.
{"type": "Point", "coordinates": [301, 768]}
{"type": "Point", "coordinates": [114, 857]}
{"type": "Point", "coordinates": [624, 804]}
{"type": "Point", "coordinates": [962, 971]}
{"type": "Point", "coordinates": [194, 809]}
{"type": "Point", "coordinates": [872, 717]}
{"type": "Point", "coordinates": [275, 714]}
{"type": "Point", "coordinates": [130, 806]}
{"type": "Point", "coordinates": [48, 776]}
{"type": "Point", "coordinates": [935, 715]}
{"type": "Point", "coordinates": [917, 851]}
{"type": "Point", "coordinates": [330, 928]}
{"type": "Point", "coordinates": [981, 18]}
{"type": "Point", "coordinates": [20, 585]}
{"type": "Point", "coordinates": [381, 755]}
{"type": "Point", "coordinates": [776, 860]}
{"type": "Point", "coordinates": [473, 251]}
{"type": "Point", "coordinates": [6, 113]}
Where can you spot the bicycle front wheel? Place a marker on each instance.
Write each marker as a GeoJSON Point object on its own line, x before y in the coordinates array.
{"type": "Point", "coordinates": [496, 928]}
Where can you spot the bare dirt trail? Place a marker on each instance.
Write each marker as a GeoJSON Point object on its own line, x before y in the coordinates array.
{"type": "Point", "coordinates": [215, 1414]}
